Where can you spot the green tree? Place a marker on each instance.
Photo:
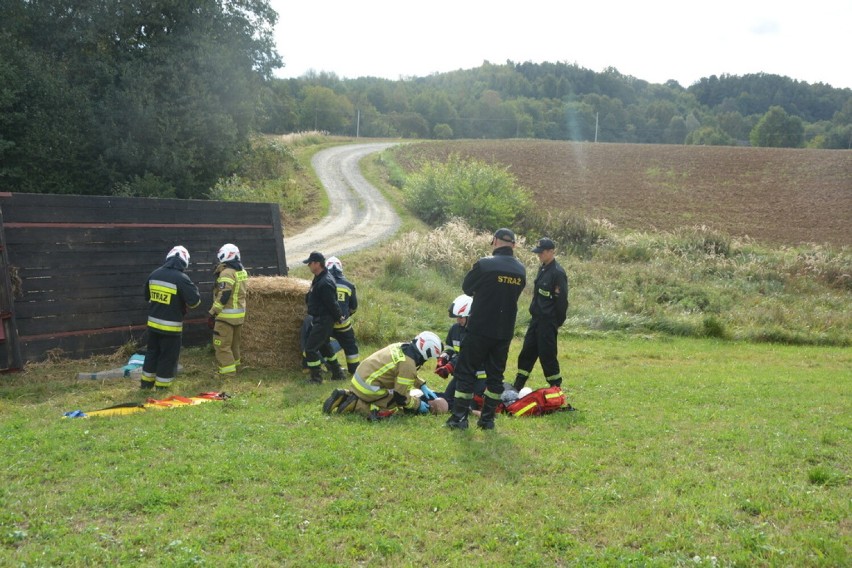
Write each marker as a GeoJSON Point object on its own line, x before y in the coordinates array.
{"type": "Point", "coordinates": [323, 109]}
{"type": "Point", "coordinates": [164, 91]}
{"type": "Point", "coordinates": [777, 129]}
{"type": "Point", "coordinates": [709, 136]}
{"type": "Point", "coordinates": [675, 132]}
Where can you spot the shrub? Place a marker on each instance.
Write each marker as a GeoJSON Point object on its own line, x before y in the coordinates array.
{"type": "Point", "coordinates": [702, 240]}
{"type": "Point", "coordinates": [149, 185]}
{"type": "Point", "coordinates": [485, 195]}
{"type": "Point", "coordinates": [574, 234]}
{"type": "Point", "coordinates": [442, 131]}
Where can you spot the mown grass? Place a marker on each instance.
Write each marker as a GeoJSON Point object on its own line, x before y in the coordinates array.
{"type": "Point", "coordinates": [682, 452]}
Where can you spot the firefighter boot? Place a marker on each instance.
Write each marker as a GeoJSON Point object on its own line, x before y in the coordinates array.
{"type": "Point", "coordinates": [489, 409]}
{"type": "Point", "coordinates": [332, 402]}
{"type": "Point", "coordinates": [520, 381]}
{"type": "Point", "coordinates": [458, 416]}
{"type": "Point", "coordinates": [337, 373]}
{"type": "Point", "coordinates": [316, 375]}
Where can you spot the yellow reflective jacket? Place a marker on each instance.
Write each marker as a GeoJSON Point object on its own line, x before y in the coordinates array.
{"type": "Point", "coordinates": [229, 294]}
{"type": "Point", "coordinates": [388, 370]}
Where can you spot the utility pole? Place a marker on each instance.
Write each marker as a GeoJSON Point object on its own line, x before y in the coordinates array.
{"type": "Point", "coordinates": [358, 124]}
{"type": "Point", "coordinates": [596, 126]}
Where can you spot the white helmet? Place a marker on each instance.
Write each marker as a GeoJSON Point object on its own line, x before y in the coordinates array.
{"type": "Point", "coordinates": [179, 252]}
{"type": "Point", "coordinates": [333, 264]}
{"type": "Point", "coordinates": [460, 308]}
{"type": "Point", "coordinates": [428, 344]}
{"type": "Point", "coordinates": [228, 252]}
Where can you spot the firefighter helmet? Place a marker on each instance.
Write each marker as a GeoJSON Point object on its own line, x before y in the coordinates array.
{"type": "Point", "coordinates": [333, 264]}
{"type": "Point", "coordinates": [179, 252]}
{"type": "Point", "coordinates": [460, 308]}
{"type": "Point", "coordinates": [428, 345]}
{"type": "Point", "coordinates": [228, 252]}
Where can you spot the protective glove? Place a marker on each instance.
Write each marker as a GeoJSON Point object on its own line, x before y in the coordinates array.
{"type": "Point", "coordinates": [443, 359]}
{"type": "Point", "coordinates": [427, 393]}
{"type": "Point", "coordinates": [445, 370]}
{"type": "Point", "coordinates": [424, 408]}
{"type": "Point", "coordinates": [211, 322]}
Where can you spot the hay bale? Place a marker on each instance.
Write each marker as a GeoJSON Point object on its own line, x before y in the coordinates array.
{"type": "Point", "coordinates": [275, 311]}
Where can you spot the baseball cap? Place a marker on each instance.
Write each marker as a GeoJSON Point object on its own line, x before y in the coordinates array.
{"type": "Point", "coordinates": [505, 234]}
{"type": "Point", "coordinates": [544, 244]}
{"type": "Point", "coordinates": [315, 257]}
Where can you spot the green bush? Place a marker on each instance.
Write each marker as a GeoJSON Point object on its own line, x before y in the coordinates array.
{"type": "Point", "coordinates": [485, 195]}
{"type": "Point", "coordinates": [573, 234]}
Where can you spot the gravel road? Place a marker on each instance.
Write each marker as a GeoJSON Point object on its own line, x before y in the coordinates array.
{"type": "Point", "coordinates": [359, 216]}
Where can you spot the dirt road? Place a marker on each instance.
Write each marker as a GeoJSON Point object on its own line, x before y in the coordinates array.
{"type": "Point", "coordinates": [359, 216]}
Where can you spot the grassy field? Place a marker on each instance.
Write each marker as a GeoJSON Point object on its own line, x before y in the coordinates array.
{"type": "Point", "coordinates": [682, 452]}
{"type": "Point", "coordinates": [690, 447]}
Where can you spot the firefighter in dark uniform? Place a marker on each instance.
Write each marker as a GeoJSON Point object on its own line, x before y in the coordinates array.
{"type": "Point", "coordinates": [347, 297]}
{"type": "Point", "coordinates": [548, 309]}
{"type": "Point", "coordinates": [227, 314]}
{"type": "Point", "coordinates": [323, 307]}
{"type": "Point", "coordinates": [170, 294]}
{"type": "Point", "coordinates": [446, 364]}
{"type": "Point", "coordinates": [495, 282]}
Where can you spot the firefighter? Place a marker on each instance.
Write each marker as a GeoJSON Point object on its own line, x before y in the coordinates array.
{"type": "Point", "coordinates": [228, 312]}
{"type": "Point", "coordinates": [322, 304]}
{"type": "Point", "coordinates": [347, 297]}
{"type": "Point", "coordinates": [384, 380]}
{"type": "Point", "coordinates": [496, 283]}
{"type": "Point", "coordinates": [548, 308]}
{"type": "Point", "coordinates": [170, 294]}
{"type": "Point", "coordinates": [446, 364]}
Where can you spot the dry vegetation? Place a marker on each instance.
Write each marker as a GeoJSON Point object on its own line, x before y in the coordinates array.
{"type": "Point", "coordinates": [775, 196]}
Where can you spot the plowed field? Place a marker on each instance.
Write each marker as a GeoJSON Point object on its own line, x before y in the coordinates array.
{"type": "Point", "coordinates": [773, 195]}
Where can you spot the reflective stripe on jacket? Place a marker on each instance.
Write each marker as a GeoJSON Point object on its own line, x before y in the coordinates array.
{"type": "Point", "coordinates": [170, 293]}
{"type": "Point", "coordinates": [388, 370]}
{"type": "Point", "coordinates": [229, 294]}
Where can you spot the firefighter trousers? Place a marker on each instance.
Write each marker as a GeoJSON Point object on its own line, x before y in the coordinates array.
{"type": "Point", "coordinates": [226, 342]}
{"type": "Point", "coordinates": [540, 344]}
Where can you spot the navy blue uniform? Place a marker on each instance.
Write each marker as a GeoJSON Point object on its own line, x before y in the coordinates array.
{"type": "Point", "coordinates": [323, 307]}
{"type": "Point", "coordinates": [170, 294]}
{"type": "Point", "coordinates": [495, 282]}
{"type": "Point", "coordinates": [548, 308]}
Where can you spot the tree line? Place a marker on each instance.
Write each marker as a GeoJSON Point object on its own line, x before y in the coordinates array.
{"type": "Point", "coordinates": [132, 97]}
{"type": "Point", "coordinates": [561, 101]}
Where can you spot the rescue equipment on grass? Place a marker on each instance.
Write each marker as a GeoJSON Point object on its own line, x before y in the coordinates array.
{"type": "Point", "coordinates": [133, 370]}
{"type": "Point", "coordinates": [174, 401]}
{"type": "Point", "coordinates": [538, 402]}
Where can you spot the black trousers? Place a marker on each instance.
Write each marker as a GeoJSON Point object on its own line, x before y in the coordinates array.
{"type": "Point", "coordinates": [346, 338]}
{"type": "Point", "coordinates": [317, 345]}
{"type": "Point", "coordinates": [540, 343]}
{"type": "Point", "coordinates": [162, 356]}
{"type": "Point", "coordinates": [479, 352]}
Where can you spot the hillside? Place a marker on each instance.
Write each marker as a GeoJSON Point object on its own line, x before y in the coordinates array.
{"type": "Point", "coordinates": [776, 196]}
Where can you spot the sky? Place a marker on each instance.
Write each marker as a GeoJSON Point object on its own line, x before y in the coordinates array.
{"type": "Point", "coordinates": [653, 40]}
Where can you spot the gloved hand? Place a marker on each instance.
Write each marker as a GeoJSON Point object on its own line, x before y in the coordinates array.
{"type": "Point", "coordinates": [443, 359]}
{"type": "Point", "coordinates": [445, 370]}
{"type": "Point", "coordinates": [211, 322]}
{"type": "Point", "coordinates": [427, 393]}
{"type": "Point", "coordinates": [424, 408]}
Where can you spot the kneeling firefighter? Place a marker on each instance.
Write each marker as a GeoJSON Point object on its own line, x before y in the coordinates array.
{"type": "Point", "coordinates": [384, 380]}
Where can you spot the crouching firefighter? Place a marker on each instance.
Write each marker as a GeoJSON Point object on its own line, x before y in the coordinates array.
{"type": "Point", "coordinates": [385, 379]}
{"type": "Point", "coordinates": [228, 312]}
